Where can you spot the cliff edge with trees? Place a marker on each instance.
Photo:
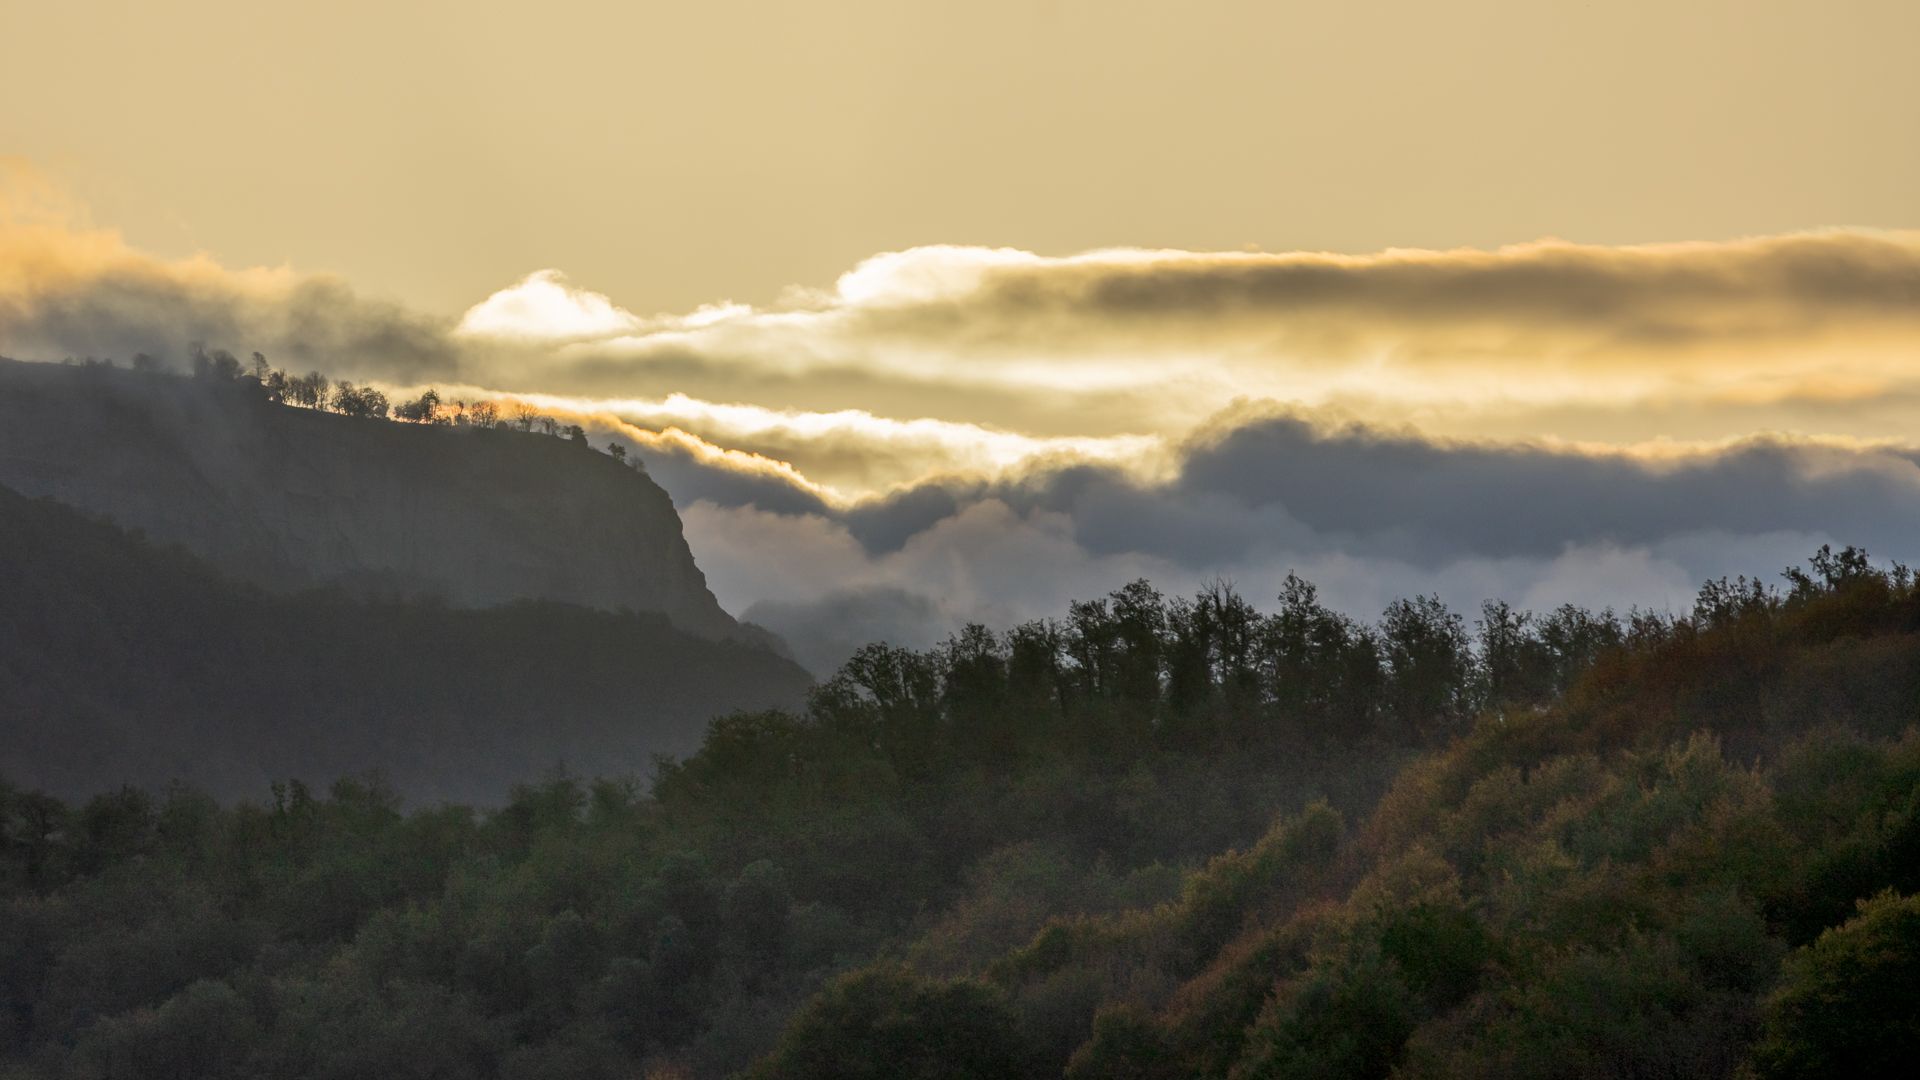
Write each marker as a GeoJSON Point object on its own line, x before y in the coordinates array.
{"type": "Point", "coordinates": [288, 497]}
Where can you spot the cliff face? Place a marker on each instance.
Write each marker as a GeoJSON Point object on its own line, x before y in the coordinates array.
{"type": "Point", "coordinates": [288, 497]}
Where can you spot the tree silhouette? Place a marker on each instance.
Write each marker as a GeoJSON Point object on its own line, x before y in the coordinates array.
{"type": "Point", "coordinates": [424, 409]}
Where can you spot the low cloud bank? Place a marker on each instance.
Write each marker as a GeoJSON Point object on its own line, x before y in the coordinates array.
{"type": "Point", "coordinates": [948, 434]}
{"type": "Point", "coordinates": [75, 292]}
{"type": "Point", "coordinates": [1368, 515]}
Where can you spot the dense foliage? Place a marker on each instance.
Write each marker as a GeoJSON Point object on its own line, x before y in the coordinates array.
{"type": "Point", "coordinates": [1605, 847]}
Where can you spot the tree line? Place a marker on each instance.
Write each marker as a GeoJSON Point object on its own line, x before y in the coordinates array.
{"type": "Point", "coordinates": [315, 390]}
{"type": "Point", "coordinates": [1154, 837]}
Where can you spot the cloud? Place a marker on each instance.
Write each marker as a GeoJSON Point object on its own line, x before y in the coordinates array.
{"type": "Point", "coordinates": [948, 433]}
{"type": "Point", "coordinates": [1368, 514]}
{"type": "Point", "coordinates": [76, 291]}
{"type": "Point", "coordinates": [960, 359]}
{"type": "Point", "coordinates": [544, 307]}
{"type": "Point", "coordinates": [1148, 340]}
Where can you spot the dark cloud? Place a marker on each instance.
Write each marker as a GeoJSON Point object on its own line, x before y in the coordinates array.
{"type": "Point", "coordinates": [689, 478]}
{"type": "Point", "coordinates": [1284, 481]}
{"type": "Point", "coordinates": [1437, 500]}
{"type": "Point", "coordinates": [1377, 513]}
{"type": "Point", "coordinates": [316, 322]}
{"type": "Point", "coordinates": [885, 524]}
{"type": "Point", "coordinates": [1657, 295]}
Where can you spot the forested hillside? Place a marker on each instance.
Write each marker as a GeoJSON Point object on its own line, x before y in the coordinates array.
{"type": "Point", "coordinates": [122, 662]}
{"type": "Point", "coordinates": [1152, 839]}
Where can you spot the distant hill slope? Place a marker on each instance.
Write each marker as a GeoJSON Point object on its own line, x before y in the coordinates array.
{"type": "Point", "coordinates": [121, 662]}
{"type": "Point", "coordinates": [288, 497]}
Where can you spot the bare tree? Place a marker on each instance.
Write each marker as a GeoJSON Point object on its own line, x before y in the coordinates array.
{"type": "Point", "coordinates": [309, 390]}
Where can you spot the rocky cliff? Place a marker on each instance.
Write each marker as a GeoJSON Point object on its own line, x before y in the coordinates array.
{"type": "Point", "coordinates": [288, 497]}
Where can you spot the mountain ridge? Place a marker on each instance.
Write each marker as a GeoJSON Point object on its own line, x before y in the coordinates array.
{"type": "Point", "coordinates": [290, 498]}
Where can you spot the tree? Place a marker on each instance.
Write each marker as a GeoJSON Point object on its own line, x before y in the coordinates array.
{"type": "Point", "coordinates": [1428, 665]}
{"type": "Point", "coordinates": [1575, 637]}
{"type": "Point", "coordinates": [974, 692]}
{"type": "Point", "coordinates": [424, 409]}
{"type": "Point", "coordinates": [1213, 682]}
{"type": "Point", "coordinates": [619, 452]}
{"type": "Point", "coordinates": [483, 414]}
{"type": "Point", "coordinates": [889, 696]}
{"type": "Point", "coordinates": [888, 1023]}
{"type": "Point", "coordinates": [756, 911]}
{"type": "Point", "coordinates": [1845, 1004]}
{"type": "Point", "coordinates": [218, 364]}
{"type": "Point", "coordinates": [310, 390]}
{"type": "Point", "coordinates": [206, 1031]}
{"type": "Point", "coordinates": [1323, 668]}
{"type": "Point", "coordinates": [1516, 664]}
{"type": "Point", "coordinates": [275, 384]}
{"type": "Point", "coordinates": [363, 402]}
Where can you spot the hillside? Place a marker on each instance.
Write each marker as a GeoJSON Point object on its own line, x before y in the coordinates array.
{"type": "Point", "coordinates": [122, 662]}
{"type": "Point", "coordinates": [289, 497]}
{"type": "Point", "coordinates": [1700, 860]}
{"type": "Point", "coordinates": [1155, 839]}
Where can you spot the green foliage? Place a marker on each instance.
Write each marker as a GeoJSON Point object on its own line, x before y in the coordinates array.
{"type": "Point", "coordinates": [1845, 1005]}
{"type": "Point", "coordinates": [1219, 897]}
{"type": "Point", "coordinates": [1346, 1018]}
{"type": "Point", "coordinates": [1114, 845]}
{"type": "Point", "coordinates": [1126, 1045]}
{"type": "Point", "coordinates": [205, 1031]}
{"type": "Point", "coordinates": [887, 1024]}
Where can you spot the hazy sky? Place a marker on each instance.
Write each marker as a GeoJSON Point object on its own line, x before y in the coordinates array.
{"type": "Point", "coordinates": [928, 311]}
{"type": "Point", "coordinates": [672, 154]}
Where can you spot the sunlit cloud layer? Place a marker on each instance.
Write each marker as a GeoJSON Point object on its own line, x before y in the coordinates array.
{"type": "Point", "coordinates": [953, 433]}
{"type": "Point", "coordinates": [1157, 340]}
{"type": "Point", "coordinates": [543, 308]}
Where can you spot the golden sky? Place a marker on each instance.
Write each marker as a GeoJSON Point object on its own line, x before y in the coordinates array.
{"type": "Point", "coordinates": [675, 154]}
